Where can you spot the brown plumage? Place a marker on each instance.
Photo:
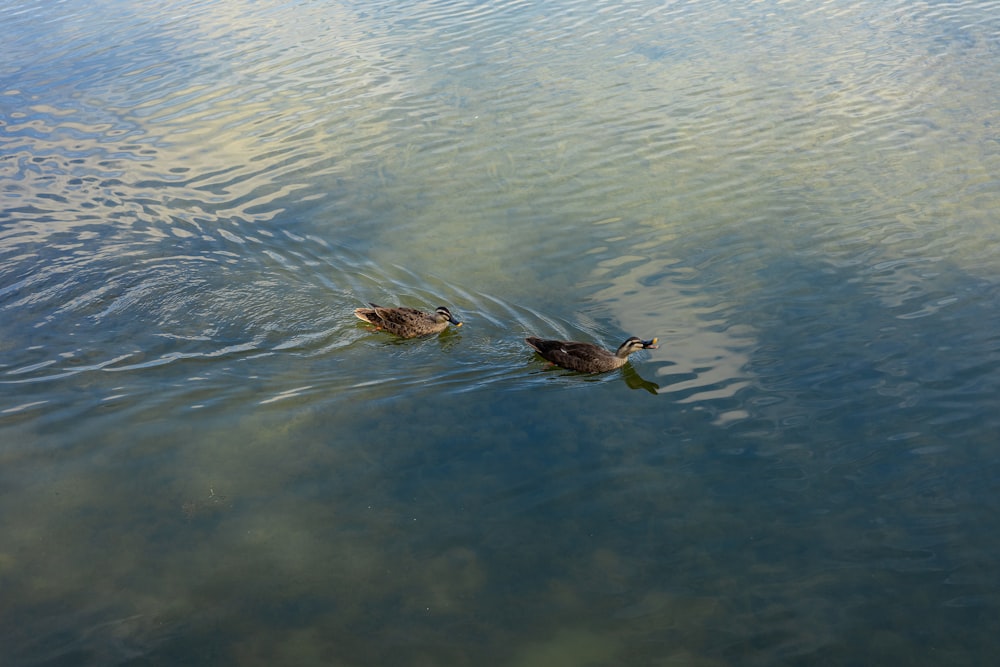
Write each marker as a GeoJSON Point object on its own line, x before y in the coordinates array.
{"type": "Point", "coordinates": [407, 322]}
{"type": "Point", "coordinates": [587, 357]}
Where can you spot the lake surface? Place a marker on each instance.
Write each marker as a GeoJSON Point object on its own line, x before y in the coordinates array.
{"type": "Point", "coordinates": [205, 459]}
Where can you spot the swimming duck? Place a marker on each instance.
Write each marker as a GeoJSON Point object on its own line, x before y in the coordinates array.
{"type": "Point", "coordinates": [407, 322]}
{"type": "Point", "coordinates": [587, 357]}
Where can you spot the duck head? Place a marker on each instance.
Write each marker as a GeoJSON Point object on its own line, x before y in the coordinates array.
{"type": "Point", "coordinates": [444, 315]}
{"type": "Point", "coordinates": [634, 344]}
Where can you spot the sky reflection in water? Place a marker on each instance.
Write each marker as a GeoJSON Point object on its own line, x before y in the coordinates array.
{"type": "Point", "coordinates": [206, 459]}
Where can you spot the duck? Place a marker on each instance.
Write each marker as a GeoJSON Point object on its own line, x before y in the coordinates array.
{"type": "Point", "coordinates": [587, 357]}
{"type": "Point", "coordinates": [407, 322]}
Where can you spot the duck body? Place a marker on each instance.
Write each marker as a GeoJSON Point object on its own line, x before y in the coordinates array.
{"type": "Point", "coordinates": [407, 322]}
{"type": "Point", "coordinates": [587, 357]}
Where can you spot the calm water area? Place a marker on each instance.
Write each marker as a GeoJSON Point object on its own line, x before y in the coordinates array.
{"type": "Point", "coordinates": [206, 460]}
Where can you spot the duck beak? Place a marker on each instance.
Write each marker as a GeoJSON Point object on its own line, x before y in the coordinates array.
{"type": "Point", "coordinates": [650, 344]}
{"type": "Point", "coordinates": [455, 322]}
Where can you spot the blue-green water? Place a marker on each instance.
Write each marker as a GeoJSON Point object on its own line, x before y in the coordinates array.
{"type": "Point", "coordinates": [205, 459]}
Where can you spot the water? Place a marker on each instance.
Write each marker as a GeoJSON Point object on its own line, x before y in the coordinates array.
{"type": "Point", "coordinates": [206, 460]}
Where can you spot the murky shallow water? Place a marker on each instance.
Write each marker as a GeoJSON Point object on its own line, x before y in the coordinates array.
{"type": "Point", "coordinates": [207, 460]}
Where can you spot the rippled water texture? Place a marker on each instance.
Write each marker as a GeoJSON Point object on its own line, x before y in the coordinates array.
{"type": "Point", "coordinates": [205, 459]}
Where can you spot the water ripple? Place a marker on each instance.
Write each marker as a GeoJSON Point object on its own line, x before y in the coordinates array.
{"type": "Point", "coordinates": [798, 200]}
